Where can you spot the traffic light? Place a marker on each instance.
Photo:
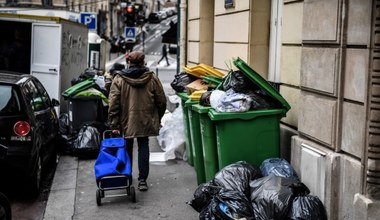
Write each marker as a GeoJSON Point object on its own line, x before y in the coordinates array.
{"type": "Point", "coordinates": [130, 16]}
{"type": "Point", "coordinates": [139, 13]}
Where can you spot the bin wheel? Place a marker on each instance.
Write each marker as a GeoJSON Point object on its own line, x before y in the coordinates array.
{"type": "Point", "coordinates": [98, 197]}
{"type": "Point", "coordinates": [133, 194]}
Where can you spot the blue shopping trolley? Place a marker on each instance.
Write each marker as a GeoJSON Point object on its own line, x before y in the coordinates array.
{"type": "Point", "coordinates": [113, 168]}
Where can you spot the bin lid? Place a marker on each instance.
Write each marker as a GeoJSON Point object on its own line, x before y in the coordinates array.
{"type": "Point", "coordinates": [183, 95]}
{"type": "Point", "coordinates": [260, 81]}
{"type": "Point", "coordinates": [81, 86]}
{"type": "Point", "coordinates": [201, 109]}
{"type": "Point", "coordinates": [190, 102]}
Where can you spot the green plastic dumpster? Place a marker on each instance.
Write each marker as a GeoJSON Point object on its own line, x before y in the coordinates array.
{"type": "Point", "coordinates": [196, 142]}
{"type": "Point", "coordinates": [251, 136]}
{"type": "Point", "coordinates": [189, 150]}
{"type": "Point", "coordinates": [208, 138]}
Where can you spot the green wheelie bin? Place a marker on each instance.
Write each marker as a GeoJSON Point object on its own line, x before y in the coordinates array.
{"type": "Point", "coordinates": [251, 136]}
{"type": "Point", "coordinates": [189, 150]}
{"type": "Point", "coordinates": [208, 138]}
{"type": "Point", "coordinates": [196, 142]}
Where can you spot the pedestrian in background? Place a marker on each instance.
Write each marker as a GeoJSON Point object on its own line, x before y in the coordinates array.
{"type": "Point", "coordinates": [137, 103]}
{"type": "Point", "coordinates": [164, 54]}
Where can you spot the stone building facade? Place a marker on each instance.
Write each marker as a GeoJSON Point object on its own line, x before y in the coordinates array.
{"type": "Point", "coordinates": [324, 57]}
{"type": "Point", "coordinates": [69, 8]}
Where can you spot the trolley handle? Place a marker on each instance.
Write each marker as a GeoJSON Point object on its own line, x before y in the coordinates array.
{"type": "Point", "coordinates": [109, 134]}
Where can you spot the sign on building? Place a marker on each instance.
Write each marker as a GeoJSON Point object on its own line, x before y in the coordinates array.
{"type": "Point", "coordinates": [89, 19]}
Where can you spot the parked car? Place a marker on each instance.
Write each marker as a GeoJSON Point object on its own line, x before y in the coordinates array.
{"type": "Point", "coordinates": [163, 14]}
{"type": "Point", "coordinates": [168, 11]}
{"type": "Point", "coordinates": [155, 17]}
{"type": "Point", "coordinates": [29, 128]}
{"type": "Point", "coordinates": [173, 48]}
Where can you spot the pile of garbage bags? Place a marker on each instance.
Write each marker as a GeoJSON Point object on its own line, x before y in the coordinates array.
{"type": "Point", "coordinates": [81, 127]}
{"type": "Point", "coordinates": [244, 191]}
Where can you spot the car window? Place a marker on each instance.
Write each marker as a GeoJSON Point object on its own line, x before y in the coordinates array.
{"type": "Point", "coordinates": [34, 98]}
{"type": "Point", "coordinates": [9, 100]}
{"type": "Point", "coordinates": [43, 92]}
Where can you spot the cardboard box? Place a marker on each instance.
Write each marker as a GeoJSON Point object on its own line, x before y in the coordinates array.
{"type": "Point", "coordinates": [196, 85]}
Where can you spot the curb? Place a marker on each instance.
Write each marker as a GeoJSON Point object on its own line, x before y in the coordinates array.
{"type": "Point", "coordinates": [61, 201]}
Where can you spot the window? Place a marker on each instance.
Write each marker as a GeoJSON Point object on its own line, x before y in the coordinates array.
{"type": "Point", "coordinates": [34, 98]}
{"type": "Point", "coordinates": [9, 100]}
{"type": "Point", "coordinates": [44, 94]}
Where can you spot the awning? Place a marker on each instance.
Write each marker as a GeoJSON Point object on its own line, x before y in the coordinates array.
{"type": "Point", "coordinates": [170, 36]}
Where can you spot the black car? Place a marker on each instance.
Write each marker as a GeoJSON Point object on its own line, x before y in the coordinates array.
{"type": "Point", "coordinates": [155, 17]}
{"type": "Point", "coordinates": [29, 128]}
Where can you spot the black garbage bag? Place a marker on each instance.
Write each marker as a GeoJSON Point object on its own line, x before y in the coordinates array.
{"type": "Point", "coordinates": [239, 82]}
{"type": "Point", "coordinates": [181, 80]}
{"type": "Point", "coordinates": [64, 123]}
{"type": "Point", "coordinates": [205, 99]}
{"type": "Point", "coordinates": [272, 196]}
{"type": "Point", "coordinates": [237, 176]}
{"type": "Point", "coordinates": [209, 212]}
{"type": "Point", "coordinates": [261, 100]}
{"type": "Point", "coordinates": [307, 207]}
{"type": "Point", "coordinates": [88, 73]}
{"type": "Point", "coordinates": [66, 144]}
{"type": "Point", "coordinates": [116, 67]}
{"type": "Point", "coordinates": [278, 167]}
{"type": "Point", "coordinates": [100, 127]}
{"type": "Point", "coordinates": [203, 196]}
{"type": "Point", "coordinates": [87, 143]}
{"type": "Point", "coordinates": [229, 205]}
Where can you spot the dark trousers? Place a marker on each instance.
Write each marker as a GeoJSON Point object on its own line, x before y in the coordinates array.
{"type": "Point", "coordinates": [164, 56]}
{"type": "Point", "coordinates": [142, 155]}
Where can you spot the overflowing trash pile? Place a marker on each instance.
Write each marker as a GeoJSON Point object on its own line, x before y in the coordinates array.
{"type": "Point", "coordinates": [81, 127]}
{"type": "Point", "coordinates": [231, 92]}
{"type": "Point", "coordinates": [244, 191]}
{"type": "Point", "coordinates": [240, 103]}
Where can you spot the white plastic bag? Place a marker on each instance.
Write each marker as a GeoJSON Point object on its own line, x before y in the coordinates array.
{"type": "Point", "coordinates": [230, 101]}
{"type": "Point", "coordinates": [216, 97]}
{"type": "Point", "coordinates": [171, 137]}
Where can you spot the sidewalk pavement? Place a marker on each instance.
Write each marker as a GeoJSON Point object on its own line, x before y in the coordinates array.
{"type": "Point", "coordinates": [171, 185]}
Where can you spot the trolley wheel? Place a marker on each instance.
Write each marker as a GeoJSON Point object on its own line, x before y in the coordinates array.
{"type": "Point", "coordinates": [98, 197]}
{"type": "Point", "coordinates": [133, 194]}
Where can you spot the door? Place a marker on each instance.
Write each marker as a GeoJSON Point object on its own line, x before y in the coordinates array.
{"type": "Point", "coordinates": [275, 41]}
{"type": "Point", "coordinates": [46, 121]}
{"type": "Point", "coordinates": [46, 57]}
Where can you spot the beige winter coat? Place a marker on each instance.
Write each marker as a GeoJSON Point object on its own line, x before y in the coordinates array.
{"type": "Point", "coordinates": [136, 105]}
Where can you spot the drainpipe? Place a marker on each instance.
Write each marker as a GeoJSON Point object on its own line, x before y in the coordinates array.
{"type": "Point", "coordinates": [182, 39]}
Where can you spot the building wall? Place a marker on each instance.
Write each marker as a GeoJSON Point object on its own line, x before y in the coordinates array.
{"type": "Point", "coordinates": [201, 32]}
{"type": "Point", "coordinates": [332, 105]}
{"type": "Point", "coordinates": [216, 39]}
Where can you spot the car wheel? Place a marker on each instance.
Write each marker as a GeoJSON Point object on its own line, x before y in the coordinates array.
{"type": "Point", "coordinates": [35, 179]}
{"type": "Point", "coordinates": [5, 208]}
